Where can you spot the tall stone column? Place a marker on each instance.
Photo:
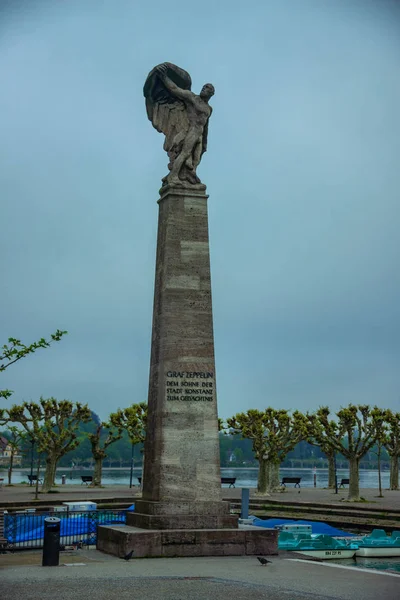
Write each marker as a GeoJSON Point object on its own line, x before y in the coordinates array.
{"type": "Point", "coordinates": [181, 478]}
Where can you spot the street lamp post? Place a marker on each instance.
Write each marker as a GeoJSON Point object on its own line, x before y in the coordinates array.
{"type": "Point", "coordinates": [131, 477]}
{"type": "Point", "coordinates": [336, 487]}
{"type": "Point", "coordinates": [32, 446]}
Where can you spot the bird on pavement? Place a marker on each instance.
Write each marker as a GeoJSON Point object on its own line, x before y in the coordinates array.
{"type": "Point", "coordinates": [263, 561]}
{"type": "Point", "coordinates": [129, 555]}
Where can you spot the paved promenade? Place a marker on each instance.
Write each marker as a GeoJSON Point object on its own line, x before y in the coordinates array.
{"type": "Point", "coordinates": [103, 577]}
{"type": "Point", "coordinates": [24, 493]}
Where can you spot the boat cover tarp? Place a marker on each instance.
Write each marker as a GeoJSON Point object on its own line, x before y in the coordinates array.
{"type": "Point", "coordinates": [317, 526]}
{"type": "Point", "coordinates": [71, 525]}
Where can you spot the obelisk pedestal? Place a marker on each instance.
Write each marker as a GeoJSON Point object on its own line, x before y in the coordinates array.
{"type": "Point", "coordinates": [181, 512]}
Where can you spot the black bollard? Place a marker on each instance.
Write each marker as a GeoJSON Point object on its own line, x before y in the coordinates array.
{"type": "Point", "coordinates": [51, 542]}
{"type": "Point", "coordinates": [244, 513]}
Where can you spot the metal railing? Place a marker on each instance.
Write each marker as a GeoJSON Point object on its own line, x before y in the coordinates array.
{"type": "Point", "coordinates": [26, 530]}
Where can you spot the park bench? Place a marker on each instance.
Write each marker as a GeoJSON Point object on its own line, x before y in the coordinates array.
{"type": "Point", "coordinates": [86, 479]}
{"type": "Point", "coordinates": [228, 481]}
{"type": "Point", "coordinates": [344, 482]}
{"type": "Point", "coordinates": [295, 480]}
{"type": "Point", "coordinates": [34, 478]}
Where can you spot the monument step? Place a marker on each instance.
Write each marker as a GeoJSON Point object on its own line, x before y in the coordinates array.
{"type": "Point", "coordinates": [120, 540]}
{"type": "Point", "coordinates": [202, 521]}
{"type": "Point", "coordinates": [182, 507]}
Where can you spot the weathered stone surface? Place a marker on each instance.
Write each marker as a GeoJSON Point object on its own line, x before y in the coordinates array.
{"type": "Point", "coordinates": [182, 447]}
{"type": "Point", "coordinates": [147, 521]}
{"type": "Point", "coordinates": [181, 508]}
{"type": "Point", "coordinates": [119, 541]}
{"type": "Point", "coordinates": [182, 116]}
{"type": "Point", "coordinates": [258, 544]}
{"type": "Point", "coordinates": [181, 515]}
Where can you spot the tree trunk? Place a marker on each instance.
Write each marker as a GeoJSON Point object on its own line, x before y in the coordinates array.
{"type": "Point", "coordinates": [97, 473]}
{"type": "Point", "coordinates": [50, 473]}
{"type": "Point", "coordinates": [10, 469]}
{"type": "Point", "coordinates": [274, 481]}
{"type": "Point", "coordinates": [354, 485]}
{"type": "Point", "coordinates": [37, 477]}
{"type": "Point", "coordinates": [331, 471]}
{"type": "Point", "coordinates": [394, 472]}
{"type": "Point", "coordinates": [263, 477]}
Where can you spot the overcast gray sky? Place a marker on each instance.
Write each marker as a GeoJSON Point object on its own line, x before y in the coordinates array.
{"type": "Point", "coordinates": [303, 172]}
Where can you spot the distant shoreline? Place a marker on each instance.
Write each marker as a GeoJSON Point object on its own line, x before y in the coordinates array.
{"type": "Point", "coordinates": [137, 469]}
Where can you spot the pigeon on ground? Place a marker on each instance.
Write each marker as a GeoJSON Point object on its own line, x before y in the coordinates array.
{"type": "Point", "coordinates": [129, 555]}
{"type": "Point", "coordinates": [263, 561]}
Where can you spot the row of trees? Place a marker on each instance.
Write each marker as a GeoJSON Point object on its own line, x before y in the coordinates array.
{"type": "Point", "coordinates": [352, 432]}
{"type": "Point", "coordinates": [53, 427]}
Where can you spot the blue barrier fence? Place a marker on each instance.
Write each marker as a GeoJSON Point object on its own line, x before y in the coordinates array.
{"type": "Point", "coordinates": [27, 530]}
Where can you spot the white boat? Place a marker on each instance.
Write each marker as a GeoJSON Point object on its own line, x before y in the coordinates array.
{"type": "Point", "coordinates": [378, 552]}
{"type": "Point", "coordinates": [379, 545]}
{"type": "Point", "coordinates": [323, 547]}
{"type": "Point", "coordinates": [328, 554]}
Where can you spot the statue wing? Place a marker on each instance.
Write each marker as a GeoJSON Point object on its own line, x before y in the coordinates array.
{"type": "Point", "coordinates": [167, 112]}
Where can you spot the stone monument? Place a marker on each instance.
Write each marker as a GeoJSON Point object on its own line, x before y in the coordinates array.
{"type": "Point", "coordinates": [181, 512]}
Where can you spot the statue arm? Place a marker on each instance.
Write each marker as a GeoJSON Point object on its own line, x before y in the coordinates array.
{"type": "Point", "coordinates": [185, 95]}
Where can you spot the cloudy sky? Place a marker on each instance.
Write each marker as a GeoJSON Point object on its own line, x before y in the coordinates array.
{"type": "Point", "coordinates": [303, 172]}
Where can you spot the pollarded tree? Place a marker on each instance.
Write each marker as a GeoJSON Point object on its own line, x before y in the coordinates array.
{"type": "Point", "coordinates": [274, 433]}
{"type": "Point", "coordinates": [15, 350]}
{"type": "Point", "coordinates": [324, 443]}
{"type": "Point", "coordinates": [53, 425]}
{"type": "Point", "coordinates": [15, 439]}
{"type": "Point", "coordinates": [133, 420]}
{"type": "Point", "coordinates": [252, 425]}
{"type": "Point", "coordinates": [381, 439]}
{"type": "Point", "coordinates": [392, 445]}
{"type": "Point", "coordinates": [103, 436]}
{"type": "Point", "coordinates": [353, 435]}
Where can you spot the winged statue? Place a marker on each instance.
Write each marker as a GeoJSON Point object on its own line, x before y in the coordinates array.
{"type": "Point", "coordinates": [182, 116]}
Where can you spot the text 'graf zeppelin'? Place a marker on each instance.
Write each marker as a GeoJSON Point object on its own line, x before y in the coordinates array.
{"type": "Point", "coordinates": [192, 386]}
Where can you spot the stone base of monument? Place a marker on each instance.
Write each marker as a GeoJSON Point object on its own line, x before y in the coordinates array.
{"type": "Point", "coordinates": [120, 540]}
{"type": "Point", "coordinates": [184, 528]}
{"type": "Point", "coordinates": [183, 514]}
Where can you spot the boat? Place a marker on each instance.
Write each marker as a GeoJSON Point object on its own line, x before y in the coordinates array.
{"type": "Point", "coordinates": [305, 526]}
{"type": "Point", "coordinates": [378, 544]}
{"type": "Point", "coordinates": [320, 546]}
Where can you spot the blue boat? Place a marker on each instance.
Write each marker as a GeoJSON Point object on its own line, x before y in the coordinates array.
{"type": "Point", "coordinates": [378, 544]}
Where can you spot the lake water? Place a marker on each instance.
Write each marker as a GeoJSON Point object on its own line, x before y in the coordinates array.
{"type": "Point", "coordinates": [380, 564]}
{"type": "Point", "coordinates": [244, 477]}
